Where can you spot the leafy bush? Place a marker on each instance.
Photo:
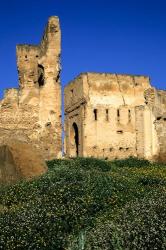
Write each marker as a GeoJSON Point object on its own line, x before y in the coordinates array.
{"type": "Point", "coordinates": [93, 164]}
{"type": "Point", "coordinates": [139, 225]}
{"type": "Point", "coordinates": [150, 180]}
{"type": "Point", "coordinates": [43, 212]}
{"type": "Point", "coordinates": [142, 224]}
{"type": "Point", "coordinates": [81, 163]}
{"type": "Point", "coordinates": [132, 162]}
{"type": "Point", "coordinates": [76, 205]}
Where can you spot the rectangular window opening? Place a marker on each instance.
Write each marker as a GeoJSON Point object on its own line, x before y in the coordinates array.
{"type": "Point", "coordinates": [71, 92]}
{"type": "Point", "coordinates": [118, 115]}
{"type": "Point", "coordinates": [129, 115]}
{"type": "Point", "coordinates": [95, 114]}
{"type": "Point", "coordinates": [107, 116]}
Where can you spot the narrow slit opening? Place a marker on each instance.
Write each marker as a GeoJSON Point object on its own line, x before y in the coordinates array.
{"type": "Point", "coordinates": [95, 114]}
{"type": "Point", "coordinates": [107, 115]}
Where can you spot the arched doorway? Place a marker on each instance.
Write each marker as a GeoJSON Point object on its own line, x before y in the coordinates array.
{"type": "Point", "coordinates": [74, 140]}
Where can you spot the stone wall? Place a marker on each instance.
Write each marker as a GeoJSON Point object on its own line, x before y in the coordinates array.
{"type": "Point", "coordinates": [32, 113]}
{"type": "Point", "coordinates": [106, 115]}
{"type": "Point", "coordinates": [75, 98]}
{"type": "Point", "coordinates": [100, 114]}
{"type": "Point", "coordinates": [147, 140]}
{"type": "Point", "coordinates": [161, 132]}
{"type": "Point", "coordinates": [156, 102]}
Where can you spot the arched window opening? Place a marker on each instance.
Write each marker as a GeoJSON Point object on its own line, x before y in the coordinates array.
{"type": "Point", "coordinates": [75, 139]}
{"type": "Point", "coordinates": [40, 75]}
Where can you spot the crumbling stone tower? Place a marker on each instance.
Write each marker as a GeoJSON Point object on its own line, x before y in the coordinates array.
{"type": "Point", "coordinates": [32, 113]}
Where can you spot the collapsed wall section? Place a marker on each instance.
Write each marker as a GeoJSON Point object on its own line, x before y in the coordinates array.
{"type": "Point", "coordinates": [32, 113]}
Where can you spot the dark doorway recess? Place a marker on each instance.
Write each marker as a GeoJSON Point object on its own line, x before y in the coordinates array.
{"type": "Point", "coordinates": [76, 138]}
{"type": "Point", "coordinates": [40, 75]}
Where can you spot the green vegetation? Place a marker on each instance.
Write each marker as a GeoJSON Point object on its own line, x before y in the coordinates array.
{"type": "Point", "coordinates": [87, 204]}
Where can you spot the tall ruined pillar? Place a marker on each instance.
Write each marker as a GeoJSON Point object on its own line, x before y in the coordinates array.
{"type": "Point", "coordinates": [40, 91]}
{"type": "Point", "coordinates": [50, 93]}
{"type": "Point", "coordinates": [146, 136]}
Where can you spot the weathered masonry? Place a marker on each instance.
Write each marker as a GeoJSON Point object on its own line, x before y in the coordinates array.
{"type": "Point", "coordinates": [152, 133]}
{"type": "Point", "coordinates": [114, 116]}
{"type": "Point", "coordinates": [32, 113]}
{"type": "Point", "coordinates": [106, 115]}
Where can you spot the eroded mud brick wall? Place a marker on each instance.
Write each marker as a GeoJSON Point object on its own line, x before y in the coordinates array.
{"type": "Point", "coordinates": [32, 113]}
{"type": "Point", "coordinates": [100, 114]}
{"type": "Point", "coordinates": [156, 103]}
{"type": "Point", "coordinates": [146, 135]}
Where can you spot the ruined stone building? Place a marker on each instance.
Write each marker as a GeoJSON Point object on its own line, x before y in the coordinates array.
{"type": "Point", "coordinates": [106, 115]}
{"type": "Point", "coordinates": [32, 113]}
{"type": "Point", "coordinates": [114, 116]}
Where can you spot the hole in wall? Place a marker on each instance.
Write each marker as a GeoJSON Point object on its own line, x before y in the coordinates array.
{"type": "Point", "coordinates": [40, 75]}
{"type": "Point", "coordinates": [48, 124]}
{"type": "Point", "coordinates": [53, 28]}
{"type": "Point", "coordinates": [95, 114]}
{"type": "Point", "coordinates": [118, 115]}
{"type": "Point", "coordinates": [107, 116]}
{"type": "Point", "coordinates": [75, 138]}
{"type": "Point", "coordinates": [129, 115]}
{"type": "Point", "coordinates": [71, 93]}
{"type": "Point", "coordinates": [119, 131]}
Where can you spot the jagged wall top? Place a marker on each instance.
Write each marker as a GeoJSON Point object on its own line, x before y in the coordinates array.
{"type": "Point", "coordinates": [31, 58]}
{"type": "Point", "coordinates": [107, 89]}
{"type": "Point", "coordinates": [32, 113]}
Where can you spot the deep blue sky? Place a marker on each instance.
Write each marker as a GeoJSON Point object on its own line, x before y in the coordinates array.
{"type": "Point", "coordinates": [97, 35]}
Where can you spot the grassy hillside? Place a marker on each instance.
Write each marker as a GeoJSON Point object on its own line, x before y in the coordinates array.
{"type": "Point", "coordinates": [87, 204]}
